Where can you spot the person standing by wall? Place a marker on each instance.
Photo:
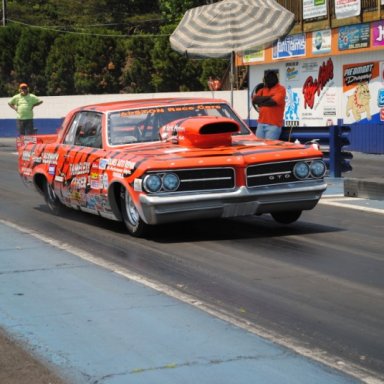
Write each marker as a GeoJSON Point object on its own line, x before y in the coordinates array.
{"type": "Point", "coordinates": [271, 103]}
{"type": "Point", "coordinates": [23, 103]}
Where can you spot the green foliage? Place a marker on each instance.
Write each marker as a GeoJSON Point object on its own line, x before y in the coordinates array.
{"type": "Point", "coordinates": [78, 47]}
{"type": "Point", "coordinates": [136, 76]}
{"type": "Point", "coordinates": [61, 67]}
{"type": "Point", "coordinates": [30, 56]}
{"type": "Point", "coordinates": [9, 38]}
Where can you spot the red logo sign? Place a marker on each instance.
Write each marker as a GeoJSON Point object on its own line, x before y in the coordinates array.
{"type": "Point", "coordinates": [312, 86]}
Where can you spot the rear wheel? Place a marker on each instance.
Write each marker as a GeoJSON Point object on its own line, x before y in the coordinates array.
{"type": "Point", "coordinates": [132, 220]}
{"type": "Point", "coordinates": [52, 200]}
{"type": "Point", "coordinates": [286, 217]}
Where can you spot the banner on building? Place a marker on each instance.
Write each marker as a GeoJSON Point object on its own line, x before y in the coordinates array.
{"type": "Point", "coordinates": [289, 46]}
{"type": "Point", "coordinates": [321, 42]}
{"type": "Point", "coordinates": [354, 37]}
{"type": "Point", "coordinates": [362, 92]}
{"type": "Point", "coordinates": [347, 8]}
{"type": "Point", "coordinates": [314, 8]}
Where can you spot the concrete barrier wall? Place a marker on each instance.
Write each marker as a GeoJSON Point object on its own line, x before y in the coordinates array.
{"type": "Point", "coordinates": [49, 115]}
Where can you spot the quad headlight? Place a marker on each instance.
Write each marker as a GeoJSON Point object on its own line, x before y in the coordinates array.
{"type": "Point", "coordinates": [314, 168]}
{"type": "Point", "coordinates": [158, 182]}
{"type": "Point", "coordinates": [171, 182]}
{"type": "Point", "coordinates": [318, 168]}
{"type": "Point", "coordinates": [152, 183]}
{"type": "Point", "coordinates": [301, 170]}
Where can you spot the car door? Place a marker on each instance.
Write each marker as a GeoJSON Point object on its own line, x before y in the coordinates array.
{"type": "Point", "coordinates": [80, 153]}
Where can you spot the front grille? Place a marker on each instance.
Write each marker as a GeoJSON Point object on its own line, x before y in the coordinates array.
{"type": "Point", "coordinates": [205, 179]}
{"type": "Point", "coordinates": [270, 173]}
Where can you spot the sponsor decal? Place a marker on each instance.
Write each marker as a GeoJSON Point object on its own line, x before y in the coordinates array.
{"type": "Point", "coordinates": [52, 169]}
{"type": "Point", "coordinates": [26, 156]}
{"type": "Point", "coordinates": [79, 169]}
{"type": "Point", "coordinates": [79, 182]}
{"type": "Point", "coordinates": [49, 158]}
{"type": "Point", "coordinates": [103, 164]}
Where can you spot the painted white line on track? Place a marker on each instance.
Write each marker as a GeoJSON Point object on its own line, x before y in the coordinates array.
{"type": "Point", "coordinates": [317, 355]}
{"type": "Point", "coordinates": [342, 202]}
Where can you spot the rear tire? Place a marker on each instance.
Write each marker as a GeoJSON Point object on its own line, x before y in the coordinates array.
{"type": "Point", "coordinates": [52, 200]}
{"type": "Point", "coordinates": [132, 220]}
{"type": "Point", "coordinates": [286, 217]}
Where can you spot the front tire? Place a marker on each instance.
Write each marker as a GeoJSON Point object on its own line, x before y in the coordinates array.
{"type": "Point", "coordinates": [52, 200]}
{"type": "Point", "coordinates": [132, 220]}
{"type": "Point", "coordinates": [286, 217]}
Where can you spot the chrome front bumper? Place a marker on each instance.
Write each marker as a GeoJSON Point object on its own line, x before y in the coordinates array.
{"type": "Point", "coordinates": [242, 201]}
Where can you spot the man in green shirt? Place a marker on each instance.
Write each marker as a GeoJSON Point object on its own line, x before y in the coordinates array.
{"type": "Point", "coordinates": [23, 103]}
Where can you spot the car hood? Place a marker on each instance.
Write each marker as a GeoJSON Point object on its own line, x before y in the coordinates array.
{"type": "Point", "coordinates": [209, 142]}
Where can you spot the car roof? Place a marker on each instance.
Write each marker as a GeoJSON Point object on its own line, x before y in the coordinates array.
{"type": "Point", "coordinates": [144, 103]}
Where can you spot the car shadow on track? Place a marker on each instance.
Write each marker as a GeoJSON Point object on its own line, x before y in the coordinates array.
{"type": "Point", "coordinates": [251, 227]}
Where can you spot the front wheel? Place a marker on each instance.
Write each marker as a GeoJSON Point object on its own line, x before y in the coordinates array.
{"type": "Point", "coordinates": [132, 220]}
{"type": "Point", "coordinates": [52, 200]}
{"type": "Point", "coordinates": [286, 217]}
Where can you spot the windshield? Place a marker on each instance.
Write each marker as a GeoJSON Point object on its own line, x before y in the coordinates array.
{"type": "Point", "coordinates": [141, 125]}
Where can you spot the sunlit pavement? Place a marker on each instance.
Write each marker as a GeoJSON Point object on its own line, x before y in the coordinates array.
{"type": "Point", "coordinates": [98, 326]}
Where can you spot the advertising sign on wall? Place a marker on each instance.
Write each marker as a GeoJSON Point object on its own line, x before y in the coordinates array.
{"type": "Point", "coordinates": [311, 98]}
{"type": "Point", "coordinates": [290, 46]}
{"type": "Point", "coordinates": [253, 57]}
{"type": "Point", "coordinates": [354, 36]}
{"type": "Point", "coordinates": [321, 41]}
{"type": "Point", "coordinates": [362, 92]}
{"type": "Point", "coordinates": [314, 8]}
{"type": "Point", "coordinates": [347, 8]}
{"type": "Point", "coordinates": [378, 33]}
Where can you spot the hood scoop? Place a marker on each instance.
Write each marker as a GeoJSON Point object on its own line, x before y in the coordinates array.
{"type": "Point", "coordinates": [200, 132]}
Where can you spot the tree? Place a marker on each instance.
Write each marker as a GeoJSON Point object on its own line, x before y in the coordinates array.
{"type": "Point", "coordinates": [9, 38]}
{"type": "Point", "coordinates": [173, 10]}
{"type": "Point", "coordinates": [61, 67]}
{"type": "Point", "coordinates": [29, 60]}
{"type": "Point", "coordinates": [172, 71]}
{"type": "Point", "coordinates": [136, 77]}
{"type": "Point", "coordinates": [98, 63]}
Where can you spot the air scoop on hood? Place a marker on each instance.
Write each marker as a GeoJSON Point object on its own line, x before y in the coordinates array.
{"type": "Point", "coordinates": [201, 132]}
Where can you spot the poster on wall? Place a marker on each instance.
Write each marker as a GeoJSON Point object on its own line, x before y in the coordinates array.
{"type": "Point", "coordinates": [347, 8]}
{"type": "Point", "coordinates": [292, 100]}
{"type": "Point", "coordinates": [311, 96]}
{"type": "Point", "coordinates": [253, 57]}
{"type": "Point", "coordinates": [289, 46]}
{"type": "Point", "coordinates": [363, 93]}
{"type": "Point", "coordinates": [314, 8]}
{"type": "Point", "coordinates": [354, 36]}
{"type": "Point", "coordinates": [377, 30]}
{"type": "Point", "coordinates": [321, 41]}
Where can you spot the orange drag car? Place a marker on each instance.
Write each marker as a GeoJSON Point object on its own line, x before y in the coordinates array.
{"type": "Point", "coordinates": [148, 162]}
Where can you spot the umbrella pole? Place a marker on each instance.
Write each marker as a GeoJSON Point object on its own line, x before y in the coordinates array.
{"type": "Point", "coordinates": [231, 77]}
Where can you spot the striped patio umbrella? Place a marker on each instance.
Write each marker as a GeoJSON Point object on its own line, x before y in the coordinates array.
{"type": "Point", "coordinates": [230, 26]}
{"type": "Point", "coordinates": [217, 30]}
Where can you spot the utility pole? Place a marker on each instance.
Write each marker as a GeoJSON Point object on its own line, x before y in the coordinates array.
{"type": "Point", "coordinates": [4, 12]}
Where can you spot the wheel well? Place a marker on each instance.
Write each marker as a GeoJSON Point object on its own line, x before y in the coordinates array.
{"type": "Point", "coordinates": [39, 181]}
{"type": "Point", "coordinates": [114, 193]}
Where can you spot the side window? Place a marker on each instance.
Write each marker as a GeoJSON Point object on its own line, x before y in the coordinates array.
{"type": "Point", "coordinates": [71, 134]}
{"type": "Point", "coordinates": [86, 130]}
{"type": "Point", "coordinates": [89, 134]}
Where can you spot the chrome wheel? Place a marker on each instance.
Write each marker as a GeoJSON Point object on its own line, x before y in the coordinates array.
{"type": "Point", "coordinates": [132, 220]}
{"type": "Point", "coordinates": [51, 199]}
